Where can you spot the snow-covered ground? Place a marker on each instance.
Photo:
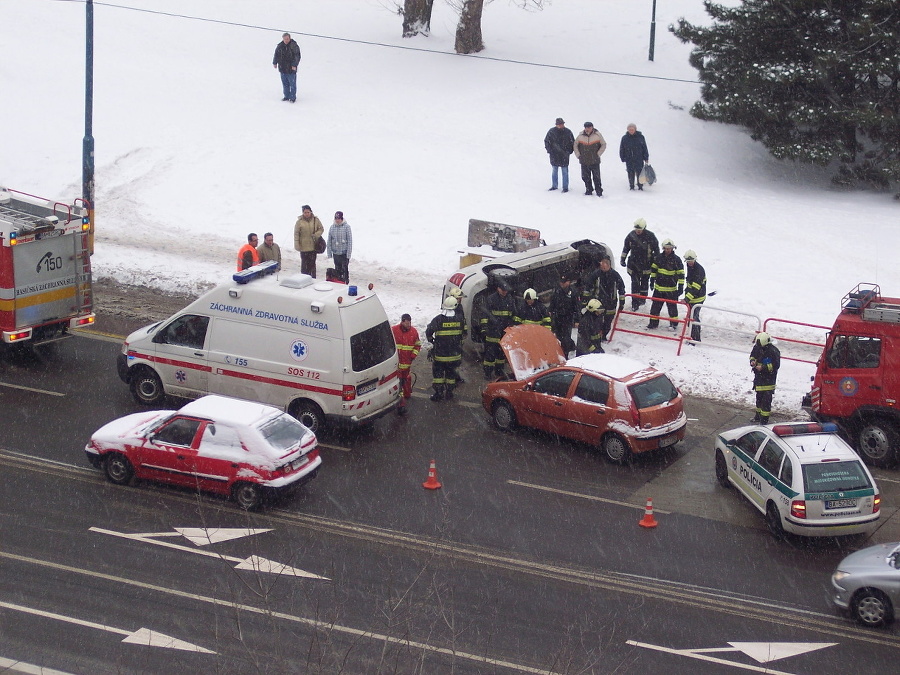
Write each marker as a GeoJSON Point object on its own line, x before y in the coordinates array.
{"type": "Point", "coordinates": [194, 149]}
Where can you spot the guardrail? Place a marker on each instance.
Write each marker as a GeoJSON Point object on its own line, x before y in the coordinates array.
{"type": "Point", "coordinates": [784, 338]}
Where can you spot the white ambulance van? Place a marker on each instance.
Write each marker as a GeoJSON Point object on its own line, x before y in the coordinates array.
{"type": "Point", "coordinates": [321, 351]}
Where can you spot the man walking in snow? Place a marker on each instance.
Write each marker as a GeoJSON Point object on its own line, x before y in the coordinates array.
{"type": "Point", "coordinates": [633, 151]}
{"type": "Point", "coordinates": [588, 147]}
{"type": "Point", "coordinates": [286, 59]}
{"type": "Point", "coordinates": [559, 144]}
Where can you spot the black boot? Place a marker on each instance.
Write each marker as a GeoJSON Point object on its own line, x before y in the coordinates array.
{"type": "Point", "coordinates": [438, 394]}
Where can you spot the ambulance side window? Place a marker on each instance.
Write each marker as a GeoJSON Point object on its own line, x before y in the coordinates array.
{"type": "Point", "coordinates": [771, 457]}
{"type": "Point", "coordinates": [185, 331]}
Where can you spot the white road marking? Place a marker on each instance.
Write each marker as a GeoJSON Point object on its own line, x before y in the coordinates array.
{"type": "Point", "coordinates": [544, 488]}
{"type": "Point", "coordinates": [31, 389]}
{"type": "Point", "coordinates": [356, 633]}
{"type": "Point", "coordinates": [328, 446]}
{"type": "Point", "coordinates": [692, 654]}
{"type": "Point", "coordinates": [252, 563]}
{"type": "Point", "coordinates": [142, 636]}
{"type": "Point", "coordinates": [201, 536]}
{"type": "Point", "coordinates": [28, 668]}
{"type": "Point", "coordinates": [764, 652]}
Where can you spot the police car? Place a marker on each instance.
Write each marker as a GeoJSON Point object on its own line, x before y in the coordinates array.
{"type": "Point", "coordinates": [802, 476]}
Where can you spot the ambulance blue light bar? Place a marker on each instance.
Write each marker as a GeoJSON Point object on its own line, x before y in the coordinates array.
{"type": "Point", "coordinates": [255, 272]}
{"type": "Point", "coordinates": [804, 428]}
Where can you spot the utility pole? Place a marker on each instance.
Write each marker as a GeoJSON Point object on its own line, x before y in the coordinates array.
{"type": "Point", "coordinates": [653, 30]}
{"type": "Point", "coordinates": [87, 147]}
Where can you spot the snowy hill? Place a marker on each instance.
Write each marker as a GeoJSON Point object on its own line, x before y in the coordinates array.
{"type": "Point", "coordinates": [194, 149]}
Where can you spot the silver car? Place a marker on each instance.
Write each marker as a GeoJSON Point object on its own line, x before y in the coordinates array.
{"type": "Point", "coordinates": [867, 584]}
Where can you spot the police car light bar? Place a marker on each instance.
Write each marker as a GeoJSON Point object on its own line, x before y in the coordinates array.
{"type": "Point", "coordinates": [804, 428]}
{"type": "Point", "coordinates": [251, 273]}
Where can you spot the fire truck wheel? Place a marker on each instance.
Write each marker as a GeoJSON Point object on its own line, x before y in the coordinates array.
{"type": "Point", "coordinates": [146, 387]}
{"type": "Point", "coordinates": [308, 414]}
{"type": "Point", "coordinates": [118, 469]}
{"type": "Point", "coordinates": [877, 440]}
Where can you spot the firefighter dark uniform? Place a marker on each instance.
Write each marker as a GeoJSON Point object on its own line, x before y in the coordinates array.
{"type": "Point", "coordinates": [667, 276]}
{"type": "Point", "coordinates": [765, 360]}
{"type": "Point", "coordinates": [641, 249]}
{"type": "Point", "coordinates": [590, 329]}
{"type": "Point", "coordinates": [564, 305]}
{"type": "Point", "coordinates": [605, 285]}
{"type": "Point", "coordinates": [445, 333]}
{"type": "Point", "coordinates": [694, 291]}
{"type": "Point", "coordinates": [408, 346]}
{"type": "Point", "coordinates": [500, 311]}
{"type": "Point", "coordinates": [530, 310]}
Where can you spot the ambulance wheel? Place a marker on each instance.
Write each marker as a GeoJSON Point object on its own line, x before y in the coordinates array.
{"type": "Point", "coordinates": [504, 416]}
{"type": "Point", "coordinates": [146, 387]}
{"type": "Point", "coordinates": [773, 521]}
{"type": "Point", "coordinates": [616, 449]}
{"type": "Point", "coordinates": [878, 441]}
{"type": "Point", "coordinates": [309, 415]}
{"type": "Point", "coordinates": [246, 495]}
{"type": "Point", "coordinates": [872, 608]}
{"type": "Point", "coordinates": [118, 469]}
{"type": "Point", "coordinates": [721, 470]}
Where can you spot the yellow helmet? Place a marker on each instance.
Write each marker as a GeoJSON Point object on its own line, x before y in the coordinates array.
{"type": "Point", "coordinates": [450, 302]}
{"type": "Point", "coordinates": [594, 305]}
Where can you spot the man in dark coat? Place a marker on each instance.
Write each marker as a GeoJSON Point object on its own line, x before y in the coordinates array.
{"type": "Point", "coordinates": [499, 314]}
{"type": "Point", "coordinates": [765, 360]}
{"type": "Point", "coordinates": [563, 313]}
{"type": "Point", "coordinates": [445, 333]}
{"type": "Point", "coordinates": [560, 143]}
{"type": "Point", "coordinates": [590, 329]}
{"type": "Point", "coordinates": [633, 151]}
{"type": "Point", "coordinates": [667, 277]}
{"type": "Point", "coordinates": [641, 249]}
{"type": "Point", "coordinates": [286, 59]}
{"type": "Point", "coordinates": [694, 291]}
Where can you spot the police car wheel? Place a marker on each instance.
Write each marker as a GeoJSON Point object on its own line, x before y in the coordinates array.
{"type": "Point", "coordinates": [309, 415]}
{"type": "Point", "coordinates": [616, 449]}
{"type": "Point", "coordinates": [773, 521]}
{"type": "Point", "coordinates": [877, 440]}
{"type": "Point", "coordinates": [118, 469]}
{"type": "Point", "coordinates": [504, 416]}
{"type": "Point", "coordinates": [146, 387]}
{"type": "Point", "coordinates": [872, 608]}
{"type": "Point", "coordinates": [246, 495]}
{"type": "Point", "coordinates": [722, 470]}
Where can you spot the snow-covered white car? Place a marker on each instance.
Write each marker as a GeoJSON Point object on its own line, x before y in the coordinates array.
{"type": "Point", "coordinates": [802, 476]}
{"type": "Point", "coordinates": [217, 444]}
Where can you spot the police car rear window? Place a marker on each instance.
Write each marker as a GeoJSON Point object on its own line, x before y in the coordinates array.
{"type": "Point", "coordinates": [653, 392]}
{"type": "Point", "coordinates": [835, 477]}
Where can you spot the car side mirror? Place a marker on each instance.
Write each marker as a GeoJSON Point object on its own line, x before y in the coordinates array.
{"type": "Point", "coordinates": [528, 387]}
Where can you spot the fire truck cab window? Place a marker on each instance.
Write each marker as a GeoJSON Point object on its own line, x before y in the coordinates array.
{"type": "Point", "coordinates": [854, 351]}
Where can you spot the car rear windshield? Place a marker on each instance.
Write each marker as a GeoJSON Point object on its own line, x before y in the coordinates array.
{"type": "Point", "coordinates": [653, 392]}
{"type": "Point", "coordinates": [835, 477]}
{"type": "Point", "coordinates": [282, 432]}
{"type": "Point", "coordinates": [371, 347]}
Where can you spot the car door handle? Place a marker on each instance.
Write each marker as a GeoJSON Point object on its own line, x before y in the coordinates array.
{"type": "Point", "coordinates": [199, 354]}
{"type": "Point", "coordinates": [874, 386]}
{"type": "Point", "coordinates": [557, 403]}
{"type": "Point", "coordinates": [180, 456]}
{"type": "Point", "coordinates": [601, 411]}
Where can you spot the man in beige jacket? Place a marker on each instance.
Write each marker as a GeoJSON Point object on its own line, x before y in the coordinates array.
{"type": "Point", "coordinates": [588, 147]}
{"type": "Point", "coordinates": [307, 231]}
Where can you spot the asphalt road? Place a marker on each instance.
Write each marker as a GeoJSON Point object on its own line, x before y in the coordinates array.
{"type": "Point", "coordinates": [528, 559]}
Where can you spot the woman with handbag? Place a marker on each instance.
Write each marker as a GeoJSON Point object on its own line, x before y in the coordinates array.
{"type": "Point", "coordinates": [340, 246]}
{"type": "Point", "coordinates": [308, 231]}
{"type": "Point", "coordinates": [633, 151]}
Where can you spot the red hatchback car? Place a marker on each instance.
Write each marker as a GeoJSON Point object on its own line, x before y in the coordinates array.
{"type": "Point", "coordinates": [239, 448]}
{"type": "Point", "coordinates": [609, 401]}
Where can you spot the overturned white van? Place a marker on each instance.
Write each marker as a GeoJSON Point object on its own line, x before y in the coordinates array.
{"type": "Point", "coordinates": [323, 352]}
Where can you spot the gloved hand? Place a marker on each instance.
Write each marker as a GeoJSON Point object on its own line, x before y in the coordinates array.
{"type": "Point", "coordinates": [622, 261]}
{"type": "Point", "coordinates": [431, 355]}
{"type": "Point", "coordinates": [621, 305]}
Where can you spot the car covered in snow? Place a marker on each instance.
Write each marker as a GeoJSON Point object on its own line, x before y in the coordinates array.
{"type": "Point", "coordinates": [866, 584]}
{"type": "Point", "coordinates": [618, 404]}
{"type": "Point", "coordinates": [802, 476]}
{"type": "Point", "coordinates": [241, 449]}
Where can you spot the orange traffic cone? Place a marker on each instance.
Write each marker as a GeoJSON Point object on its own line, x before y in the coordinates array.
{"type": "Point", "coordinates": [432, 482]}
{"type": "Point", "coordinates": [648, 520]}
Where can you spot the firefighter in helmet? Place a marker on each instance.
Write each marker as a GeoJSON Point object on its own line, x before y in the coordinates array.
{"type": "Point", "coordinates": [590, 329]}
{"type": "Point", "coordinates": [765, 360]}
{"type": "Point", "coordinates": [500, 311]}
{"type": "Point", "coordinates": [445, 333]}
{"type": "Point", "coordinates": [530, 310]}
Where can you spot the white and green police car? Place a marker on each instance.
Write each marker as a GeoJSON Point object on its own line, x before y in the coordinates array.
{"type": "Point", "coordinates": [802, 476]}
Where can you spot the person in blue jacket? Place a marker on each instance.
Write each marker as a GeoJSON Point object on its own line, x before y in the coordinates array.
{"type": "Point", "coordinates": [633, 151]}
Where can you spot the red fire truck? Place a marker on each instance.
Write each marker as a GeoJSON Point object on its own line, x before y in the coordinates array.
{"type": "Point", "coordinates": [45, 268]}
{"type": "Point", "coordinates": [857, 380]}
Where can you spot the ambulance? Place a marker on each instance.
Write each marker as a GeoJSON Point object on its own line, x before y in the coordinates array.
{"type": "Point", "coordinates": [322, 352]}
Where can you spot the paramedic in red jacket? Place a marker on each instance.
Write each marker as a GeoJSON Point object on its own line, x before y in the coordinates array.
{"type": "Point", "coordinates": [408, 345]}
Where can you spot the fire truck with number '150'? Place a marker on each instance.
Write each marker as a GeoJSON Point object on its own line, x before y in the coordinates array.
{"type": "Point", "coordinates": [45, 267]}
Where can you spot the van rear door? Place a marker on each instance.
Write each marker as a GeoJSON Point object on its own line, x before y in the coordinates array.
{"type": "Point", "coordinates": [373, 370]}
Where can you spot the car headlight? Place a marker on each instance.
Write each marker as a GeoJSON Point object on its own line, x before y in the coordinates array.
{"type": "Point", "coordinates": [839, 576]}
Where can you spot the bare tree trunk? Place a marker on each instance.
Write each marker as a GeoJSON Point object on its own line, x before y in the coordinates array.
{"type": "Point", "coordinates": [417, 17]}
{"type": "Point", "coordinates": [468, 31]}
